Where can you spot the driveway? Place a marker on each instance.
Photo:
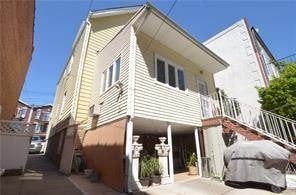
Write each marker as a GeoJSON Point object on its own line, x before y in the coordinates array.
{"type": "Point", "coordinates": [41, 177]}
{"type": "Point", "coordinates": [202, 186]}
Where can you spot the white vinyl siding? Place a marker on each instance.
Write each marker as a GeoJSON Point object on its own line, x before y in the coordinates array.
{"type": "Point", "coordinates": [102, 32]}
{"type": "Point", "coordinates": [112, 102]}
{"type": "Point", "coordinates": [159, 101]}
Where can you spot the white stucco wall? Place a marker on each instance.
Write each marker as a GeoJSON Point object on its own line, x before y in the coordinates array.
{"type": "Point", "coordinates": [243, 75]}
{"type": "Point", "coordinates": [214, 148]}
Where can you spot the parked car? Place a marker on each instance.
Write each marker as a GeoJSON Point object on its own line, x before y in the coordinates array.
{"type": "Point", "coordinates": [260, 162]}
{"type": "Point", "coordinates": [36, 144]}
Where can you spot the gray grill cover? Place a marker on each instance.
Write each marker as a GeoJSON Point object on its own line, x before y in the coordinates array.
{"type": "Point", "coordinates": [257, 161]}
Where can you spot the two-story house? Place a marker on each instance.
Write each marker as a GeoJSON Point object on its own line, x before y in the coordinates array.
{"type": "Point", "coordinates": [133, 71]}
{"type": "Point", "coordinates": [134, 84]}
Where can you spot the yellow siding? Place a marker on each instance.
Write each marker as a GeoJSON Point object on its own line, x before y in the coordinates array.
{"type": "Point", "coordinates": [102, 32]}
{"type": "Point", "coordinates": [113, 105]}
{"type": "Point", "coordinates": [158, 101]}
{"type": "Point", "coordinates": [67, 84]}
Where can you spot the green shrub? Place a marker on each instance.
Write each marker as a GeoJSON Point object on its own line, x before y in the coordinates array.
{"type": "Point", "coordinates": [192, 160]}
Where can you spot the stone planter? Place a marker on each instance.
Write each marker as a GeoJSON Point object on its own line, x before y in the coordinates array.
{"type": "Point", "coordinates": [155, 180]}
{"type": "Point", "coordinates": [193, 170]}
{"type": "Point", "coordinates": [145, 181]}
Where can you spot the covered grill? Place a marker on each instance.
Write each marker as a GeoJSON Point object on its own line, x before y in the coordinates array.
{"type": "Point", "coordinates": [256, 161]}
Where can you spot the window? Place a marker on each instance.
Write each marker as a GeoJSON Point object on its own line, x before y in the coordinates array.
{"type": "Point", "coordinates": [38, 128]}
{"type": "Point", "coordinates": [104, 78]}
{"type": "Point", "coordinates": [170, 74]}
{"type": "Point", "coordinates": [161, 71]}
{"type": "Point", "coordinates": [38, 113]}
{"type": "Point", "coordinates": [203, 87]}
{"type": "Point", "coordinates": [21, 113]}
{"type": "Point", "coordinates": [181, 79]}
{"type": "Point", "coordinates": [45, 116]}
{"type": "Point", "coordinates": [117, 69]}
{"type": "Point", "coordinates": [111, 75]}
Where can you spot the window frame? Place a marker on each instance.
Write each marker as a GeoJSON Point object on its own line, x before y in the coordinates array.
{"type": "Point", "coordinates": [177, 67]}
{"type": "Point", "coordinates": [105, 78]}
{"type": "Point", "coordinates": [202, 82]}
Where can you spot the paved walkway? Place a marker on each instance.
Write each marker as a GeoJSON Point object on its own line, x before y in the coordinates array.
{"type": "Point", "coordinates": [41, 177]}
{"type": "Point", "coordinates": [202, 186]}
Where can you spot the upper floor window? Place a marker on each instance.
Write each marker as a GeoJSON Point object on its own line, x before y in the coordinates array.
{"type": "Point", "coordinates": [21, 112]}
{"type": "Point", "coordinates": [111, 75]}
{"type": "Point", "coordinates": [45, 116]}
{"type": "Point", "coordinates": [38, 113]}
{"type": "Point", "coordinates": [203, 87]}
{"type": "Point", "coordinates": [168, 73]}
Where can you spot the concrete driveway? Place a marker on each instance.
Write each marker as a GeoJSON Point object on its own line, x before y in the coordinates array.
{"type": "Point", "coordinates": [202, 186]}
{"type": "Point", "coordinates": [41, 177]}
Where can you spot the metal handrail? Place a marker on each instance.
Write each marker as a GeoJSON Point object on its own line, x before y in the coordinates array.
{"type": "Point", "coordinates": [272, 125]}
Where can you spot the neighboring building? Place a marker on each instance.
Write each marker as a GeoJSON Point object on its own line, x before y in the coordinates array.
{"type": "Point", "coordinates": [16, 34]}
{"type": "Point", "coordinates": [251, 62]}
{"type": "Point", "coordinates": [128, 77]}
{"type": "Point", "coordinates": [37, 116]}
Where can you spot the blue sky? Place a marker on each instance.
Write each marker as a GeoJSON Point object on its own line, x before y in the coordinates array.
{"type": "Point", "coordinates": [57, 22]}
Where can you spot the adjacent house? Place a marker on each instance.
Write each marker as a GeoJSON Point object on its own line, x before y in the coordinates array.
{"type": "Point", "coordinates": [133, 71]}
{"type": "Point", "coordinates": [37, 116]}
{"type": "Point", "coordinates": [16, 38]}
{"type": "Point", "coordinates": [251, 62]}
{"type": "Point", "coordinates": [16, 51]}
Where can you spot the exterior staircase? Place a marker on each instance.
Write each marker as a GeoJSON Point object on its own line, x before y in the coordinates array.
{"type": "Point", "coordinates": [251, 122]}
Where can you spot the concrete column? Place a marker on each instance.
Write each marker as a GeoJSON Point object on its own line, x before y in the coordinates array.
{"type": "Point", "coordinates": [170, 143]}
{"type": "Point", "coordinates": [163, 152]}
{"type": "Point", "coordinates": [128, 154]}
{"type": "Point", "coordinates": [198, 150]}
{"type": "Point", "coordinates": [136, 185]}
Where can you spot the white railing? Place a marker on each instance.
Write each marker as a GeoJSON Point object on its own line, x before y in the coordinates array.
{"type": "Point", "coordinates": [16, 127]}
{"type": "Point", "coordinates": [272, 125]}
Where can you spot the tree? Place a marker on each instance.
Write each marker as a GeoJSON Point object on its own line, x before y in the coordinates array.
{"type": "Point", "coordinates": [280, 96]}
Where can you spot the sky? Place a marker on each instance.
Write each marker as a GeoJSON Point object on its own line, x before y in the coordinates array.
{"type": "Point", "coordinates": [57, 22]}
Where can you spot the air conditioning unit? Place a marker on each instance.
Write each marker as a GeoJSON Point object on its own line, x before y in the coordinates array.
{"type": "Point", "coordinates": [94, 110]}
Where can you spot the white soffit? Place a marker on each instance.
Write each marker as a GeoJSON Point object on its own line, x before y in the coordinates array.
{"type": "Point", "coordinates": [113, 12]}
{"type": "Point", "coordinates": [174, 39]}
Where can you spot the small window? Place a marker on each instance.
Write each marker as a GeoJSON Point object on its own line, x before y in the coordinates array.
{"type": "Point", "coordinates": [110, 75]}
{"type": "Point", "coordinates": [104, 78]}
{"type": "Point", "coordinates": [38, 113]}
{"type": "Point", "coordinates": [161, 71]}
{"type": "Point", "coordinates": [117, 69]}
{"type": "Point", "coordinates": [172, 76]}
{"type": "Point", "coordinates": [181, 79]}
